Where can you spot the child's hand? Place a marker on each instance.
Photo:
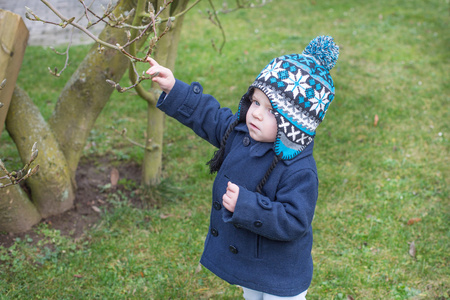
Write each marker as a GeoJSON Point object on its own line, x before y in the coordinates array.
{"type": "Point", "coordinates": [229, 199]}
{"type": "Point", "coordinates": [162, 76]}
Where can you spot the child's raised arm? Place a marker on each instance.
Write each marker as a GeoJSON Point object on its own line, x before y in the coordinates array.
{"type": "Point", "coordinates": [161, 75]}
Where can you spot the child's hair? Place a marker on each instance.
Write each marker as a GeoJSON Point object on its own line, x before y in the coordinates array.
{"type": "Point", "coordinates": [274, 163]}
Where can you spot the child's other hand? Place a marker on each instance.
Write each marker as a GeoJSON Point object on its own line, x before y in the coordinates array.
{"type": "Point", "coordinates": [229, 199]}
{"type": "Point", "coordinates": [161, 75]}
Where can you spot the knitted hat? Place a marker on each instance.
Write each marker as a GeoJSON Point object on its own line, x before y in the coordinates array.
{"type": "Point", "coordinates": [300, 89]}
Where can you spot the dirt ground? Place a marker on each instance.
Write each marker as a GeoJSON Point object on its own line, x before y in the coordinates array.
{"type": "Point", "coordinates": [92, 175]}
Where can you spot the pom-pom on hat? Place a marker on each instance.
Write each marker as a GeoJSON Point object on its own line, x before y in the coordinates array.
{"type": "Point", "coordinates": [300, 89]}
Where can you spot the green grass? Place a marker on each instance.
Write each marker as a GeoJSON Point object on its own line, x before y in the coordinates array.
{"type": "Point", "coordinates": [393, 63]}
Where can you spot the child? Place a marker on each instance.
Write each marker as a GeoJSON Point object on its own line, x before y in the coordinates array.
{"type": "Point", "coordinates": [265, 191]}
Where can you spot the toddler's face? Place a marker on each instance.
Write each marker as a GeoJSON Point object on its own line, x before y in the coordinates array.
{"type": "Point", "coordinates": [261, 121]}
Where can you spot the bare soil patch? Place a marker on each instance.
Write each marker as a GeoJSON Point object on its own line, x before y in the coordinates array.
{"type": "Point", "coordinates": [92, 176]}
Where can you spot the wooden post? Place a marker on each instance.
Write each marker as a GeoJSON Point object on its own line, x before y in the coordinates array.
{"type": "Point", "coordinates": [13, 42]}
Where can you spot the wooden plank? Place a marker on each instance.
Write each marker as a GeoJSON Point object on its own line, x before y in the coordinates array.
{"type": "Point", "coordinates": [13, 42]}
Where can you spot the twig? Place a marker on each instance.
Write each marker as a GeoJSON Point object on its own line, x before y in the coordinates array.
{"type": "Point", "coordinates": [70, 21]}
{"type": "Point", "coordinates": [218, 24]}
{"type": "Point", "coordinates": [66, 64]}
{"type": "Point", "coordinates": [123, 133]}
{"type": "Point", "coordinates": [134, 76]}
{"type": "Point", "coordinates": [106, 14]}
{"type": "Point", "coordinates": [15, 177]}
{"type": "Point", "coordinates": [183, 12]}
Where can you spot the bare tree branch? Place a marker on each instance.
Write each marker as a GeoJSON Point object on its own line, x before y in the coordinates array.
{"type": "Point", "coordinates": [143, 25]}
{"type": "Point", "coordinates": [123, 133]}
{"type": "Point", "coordinates": [15, 177]}
{"type": "Point", "coordinates": [218, 24]}
{"type": "Point", "coordinates": [66, 53]}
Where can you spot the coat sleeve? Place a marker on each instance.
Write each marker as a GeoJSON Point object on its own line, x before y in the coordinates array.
{"type": "Point", "coordinates": [285, 219]}
{"type": "Point", "coordinates": [200, 112]}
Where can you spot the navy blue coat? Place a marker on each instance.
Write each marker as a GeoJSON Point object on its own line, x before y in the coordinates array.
{"type": "Point", "coordinates": [266, 243]}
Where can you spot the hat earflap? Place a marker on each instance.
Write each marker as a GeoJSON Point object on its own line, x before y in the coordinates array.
{"type": "Point", "coordinates": [244, 104]}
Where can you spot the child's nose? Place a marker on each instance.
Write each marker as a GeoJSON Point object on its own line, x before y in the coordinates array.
{"type": "Point", "coordinates": [257, 113]}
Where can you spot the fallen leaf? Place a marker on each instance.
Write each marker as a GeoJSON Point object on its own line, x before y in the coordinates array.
{"type": "Point", "coordinates": [199, 268]}
{"type": "Point", "coordinates": [163, 216]}
{"type": "Point", "coordinates": [78, 276]}
{"type": "Point", "coordinates": [96, 209]}
{"type": "Point", "coordinates": [413, 220]}
{"type": "Point", "coordinates": [114, 177]}
{"type": "Point", "coordinates": [375, 120]}
{"type": "Point", "coordinates": [412, 249]}
{"type": "Point", "coordinates": [349, 297]}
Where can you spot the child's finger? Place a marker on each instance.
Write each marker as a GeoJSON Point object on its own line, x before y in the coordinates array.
{"type": "Point", "coordinates": [225, 198]}
{"type": "Point", "coordinates": [154, 67]}
{"type": "Point", "coordinates": [232, 187]}
{"type": "Point", "coordinates": [155, 74]}
{"type": "Point", "coordinates": [153, 71]}
{"type": "Point", "coordinates": [152, 62]}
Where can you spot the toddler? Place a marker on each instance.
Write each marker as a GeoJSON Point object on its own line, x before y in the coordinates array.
{"type": "Point", "coordinates": [265, 192]}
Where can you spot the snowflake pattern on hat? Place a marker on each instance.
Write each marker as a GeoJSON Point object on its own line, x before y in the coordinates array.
{"type": "Point", "coordinates": [300, 89]}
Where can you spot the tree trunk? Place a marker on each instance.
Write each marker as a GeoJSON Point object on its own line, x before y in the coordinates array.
{"type": "Point", "coordinates": [61, 141]}
{"type": "Point", "coordinates": [165, 55]}
{"type": "Point", "coordinates": [17, 213]}
{"type": "Point", "coordinates": [51, 188]}
{"type": "Point", "coordinates": [87, 92]}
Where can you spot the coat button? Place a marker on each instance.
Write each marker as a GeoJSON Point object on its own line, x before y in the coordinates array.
{"type": "Point", "coordinates": [246, 141]}
{"type": "Point", "coordinates": [233, 249]}
{"type": "Point", "coordinates": [214, 232]}
{"type": "Point", "coordinates": [196, 89]}
{"type": "Point", "coordinates": [217, 205]}
{"type": "Point", "coordinates": [257, 223]}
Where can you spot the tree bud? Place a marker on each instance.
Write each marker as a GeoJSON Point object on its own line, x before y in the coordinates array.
{"type": "Point", "coordinates": [34, 154]}
{"type": "Point", "coordinates": [151, 8]}
{"type": "Point", "coordinates": [170, 21]}
{"type": "Point", "coordinates": [112, 83]}
{"type": "Point", "coordinates": [34, 171]}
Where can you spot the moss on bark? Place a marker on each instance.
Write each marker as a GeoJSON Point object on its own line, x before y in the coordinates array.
{"type": "Point", "coordinates": [17, 213]}
{"type": "Point", "coordinates": [51, 188]}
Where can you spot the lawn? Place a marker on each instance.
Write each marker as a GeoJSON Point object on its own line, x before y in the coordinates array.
{"type": "Point", "coordinates": [382, 155]}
